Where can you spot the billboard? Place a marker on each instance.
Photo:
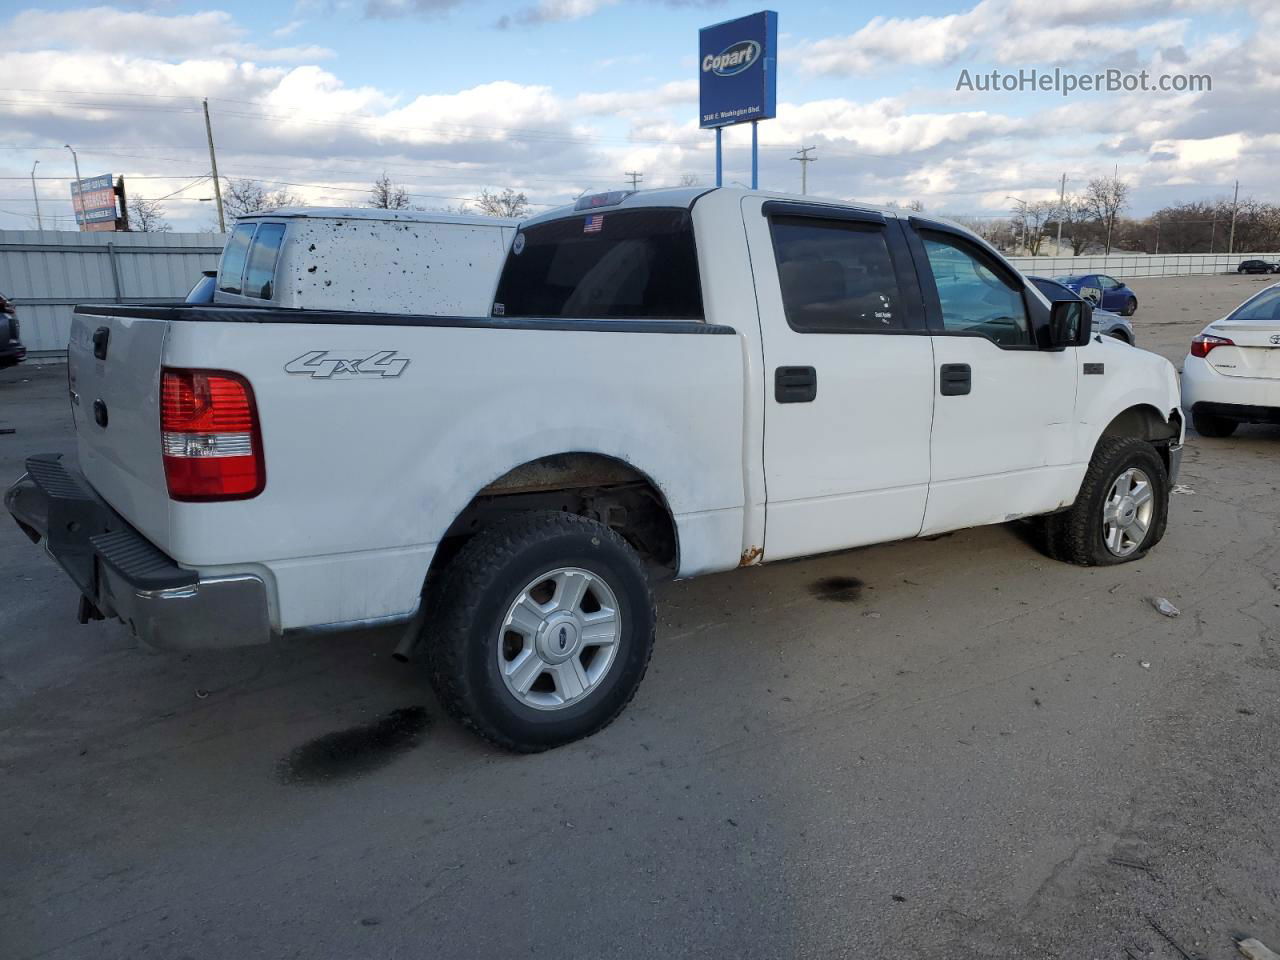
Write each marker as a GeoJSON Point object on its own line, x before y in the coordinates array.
{"type": "Point", "coordinates": [94, 200]}
{"type": "Point", "coordinates": [738, 70]}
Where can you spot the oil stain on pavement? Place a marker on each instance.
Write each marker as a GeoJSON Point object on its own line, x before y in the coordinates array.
{"type": "Point", "coordinates": [348, 754]}
{"type": "Point", "coordinates": [837, 589]}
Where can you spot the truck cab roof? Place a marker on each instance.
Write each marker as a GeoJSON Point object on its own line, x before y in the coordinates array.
{"type": "Point", "coordinates": [377, 213]}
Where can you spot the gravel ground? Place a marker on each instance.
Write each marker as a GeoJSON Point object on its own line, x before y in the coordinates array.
{"type": "Point", "coordinates": [942, 749]}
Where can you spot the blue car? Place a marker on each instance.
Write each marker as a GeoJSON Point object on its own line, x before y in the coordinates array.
{"type": "Point", "coordinates": [1103, 291]}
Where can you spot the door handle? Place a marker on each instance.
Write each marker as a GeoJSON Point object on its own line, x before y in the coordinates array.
{"type": "Point", "coordinates": [795, 384]}
{"type": "Point", "coordinates": [100, 338]}
{"type": "Point", "coordinates": [955, 379]}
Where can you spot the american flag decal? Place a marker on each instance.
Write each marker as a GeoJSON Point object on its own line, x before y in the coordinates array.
{"type": "Point", "coordinates": [593, 223]}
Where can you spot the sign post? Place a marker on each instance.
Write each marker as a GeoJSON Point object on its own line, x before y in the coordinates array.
{"type": "Point", "coordinates": [738, 80]}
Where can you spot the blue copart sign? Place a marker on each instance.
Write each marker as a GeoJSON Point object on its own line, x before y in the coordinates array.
{"type": "Point", "coordinates": [738, 70]}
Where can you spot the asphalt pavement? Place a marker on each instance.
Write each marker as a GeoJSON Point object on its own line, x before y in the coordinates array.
{"type": "Point", "coordinates": [936, 749]}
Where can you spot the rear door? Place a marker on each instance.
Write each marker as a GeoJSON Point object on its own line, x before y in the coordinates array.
{"type": "Point", "coordinates": [1002, 425]}
{"type": "Point", "coordinates": [848, 368]}
{"type": "Point", "coordinates": [1254, 329]}
{"type": "Point", "coordinates": [113, 375]}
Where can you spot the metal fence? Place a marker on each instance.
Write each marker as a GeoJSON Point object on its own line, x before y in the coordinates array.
{"type": "Point", "coordinates": [46, 273]}
{"type": "Point", "coordinates": [1139, 265]}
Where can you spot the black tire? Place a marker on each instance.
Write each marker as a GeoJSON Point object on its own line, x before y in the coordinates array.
{"type": "Point", "coordinates": [1130, 307]}
{"type": "Point", "coordinates": [461, 639]}
{"type": "Point", "coordinates": [1075, 535]}
{"type": "Point", "coordinates": [1117, 335]}
{"type": "Point", "coordinates": [1207, 425]}
{"type": "Point", "coordinates": [1240, 269]}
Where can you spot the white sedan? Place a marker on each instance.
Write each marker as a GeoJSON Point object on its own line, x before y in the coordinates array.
{"type": "Point", "coordinates": [1232, 374]}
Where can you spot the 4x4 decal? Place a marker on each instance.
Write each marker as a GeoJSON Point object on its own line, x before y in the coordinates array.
{"type": "Point", "coordinates": [323, 365]}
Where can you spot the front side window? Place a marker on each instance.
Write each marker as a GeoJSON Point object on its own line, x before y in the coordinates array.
{"type": "Point", "coordinates": [231, 270]}
{"type": "Point", "coordinates": [610, 265]}
{"type": "Point", "coordinates": [974, 298]}
{"type": "Point", "coordinates": [836, 276]}
{"type": "Point", "coordinates": [264, 250]}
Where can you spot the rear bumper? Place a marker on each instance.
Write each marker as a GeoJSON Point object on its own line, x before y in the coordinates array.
{"type": "Point", "coordinates": [123, 575]}
{"type": "Point", "coordinates": [1201, 384]}
{"type": "Point", "coordinates": [11, 353]}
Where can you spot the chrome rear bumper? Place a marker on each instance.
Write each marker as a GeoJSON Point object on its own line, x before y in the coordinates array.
{"type": "Point", "coordinates": [123, 575]}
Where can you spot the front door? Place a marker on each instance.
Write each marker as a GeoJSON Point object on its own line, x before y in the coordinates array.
{"type": "Point", "coordinates": [1002, 426]}
{"type": "Point", "coordinates": [848, 369]}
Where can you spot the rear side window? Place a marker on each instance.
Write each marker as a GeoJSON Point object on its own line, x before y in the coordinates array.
{"type": "Point", "coordinates": [263, 252]}
{"type": "Point", "coordinates": [231, 269]}
{"type": "Point", "coordinates": [1264, 308]}
{"type": "Point", "coordinates": [836, 276]}
{"type": "Point", "coordinates": [623, 264]}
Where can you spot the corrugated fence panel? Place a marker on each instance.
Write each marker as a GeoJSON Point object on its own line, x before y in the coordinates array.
{"type": "Point", "coordinates": [46, 273]}
{"type": "Point", "coordinates": [1130, 265]}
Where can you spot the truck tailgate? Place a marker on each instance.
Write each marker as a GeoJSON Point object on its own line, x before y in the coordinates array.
{"type": "Point", "coordinates": [113, 373]}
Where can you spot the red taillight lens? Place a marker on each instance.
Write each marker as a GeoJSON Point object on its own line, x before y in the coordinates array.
{"type": "Point", "coordinates": [210, 436]}
{"type": "Point", "coordinates": [1202, 344]}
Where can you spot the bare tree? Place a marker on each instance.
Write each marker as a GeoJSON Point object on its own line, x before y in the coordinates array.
{"type": "Point", "coordinates": [384, 195]}
{"type": "Point", "coordinates": [1077, 224]}
{"type": "Point", "coordinates": [916, 206]}
{"type": "Point", "coordinates": [1030, 220]}
{"type": "Point", "coordinates": [1107, 198]}
{"type": "Point", "coordinates": [508, 204]}
{"type": "Point", "coordinates": [146, 216]}
{"type": "Point", "coordinates": [242, 197]}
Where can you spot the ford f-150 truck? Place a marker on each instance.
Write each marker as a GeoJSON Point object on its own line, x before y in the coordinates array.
{"type": "Point", "coordinates": [668, 383]}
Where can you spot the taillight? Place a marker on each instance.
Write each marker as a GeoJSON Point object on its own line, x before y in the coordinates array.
{"type": "Point", "coordinates": [1203, 343]}
{"type": "Point", "coordinates": [210, 436]}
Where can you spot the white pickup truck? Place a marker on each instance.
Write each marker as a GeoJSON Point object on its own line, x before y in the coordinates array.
{"type": "Point", "coordinates": [669, 383]}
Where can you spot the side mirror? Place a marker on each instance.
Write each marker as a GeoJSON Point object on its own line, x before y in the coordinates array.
{"type": "Point", "coordinates": [1070, 324]}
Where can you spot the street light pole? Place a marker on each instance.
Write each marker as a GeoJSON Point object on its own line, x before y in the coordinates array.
{"type": "Point", "coordinates": [1062, 208]}
{"type": "Point", "coordinates": [79, 187]}
{"type": "Point", "coordinates": [1023, 225]}
{"type": "Point", "coordinates": [36, 196]}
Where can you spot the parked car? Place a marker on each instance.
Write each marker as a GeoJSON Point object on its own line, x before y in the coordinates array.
{"type": "Point", "coordinates": [358, 258]}
{"type": "Point", "coordinates": [1103, 291]}
{"type": "Point", "coordinates": [1105, 323]}
{"type": "Point", "coordinates": [1232, 373]}
{"type": "Point", "coordinates": [12, 352]}
{"type": "Point", "coordinates": [508, 485]}
{"type": "Point", "coordinates": [202, 290]}
{"type": "Point", "coordinates": [1258, 266]}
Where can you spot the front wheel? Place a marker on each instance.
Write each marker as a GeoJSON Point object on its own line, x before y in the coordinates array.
{"type": "Point", "coordinates": [1122, 508]}
{"type": "Point", "coordinates": [543, 630]}
{"type": "Point", "coordinates": [1130, 307]}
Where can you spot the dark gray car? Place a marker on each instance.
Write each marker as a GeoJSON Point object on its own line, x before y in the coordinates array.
{"type": "Point", "coordinates": [11, 349]}
{"type": "Point", "coordinates": [1105, 322]}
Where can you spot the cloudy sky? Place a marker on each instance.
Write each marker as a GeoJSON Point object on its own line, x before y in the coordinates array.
{"type": "Point", "coordinates": [556, 97]}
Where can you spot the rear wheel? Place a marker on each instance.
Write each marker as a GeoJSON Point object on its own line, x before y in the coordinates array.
{"type": "Point", "coordinates": [1207, 425]}
{"type": "Point", "coordinates": [542, 632]}
{"type": "Point", "coordinates": [1121, 510]}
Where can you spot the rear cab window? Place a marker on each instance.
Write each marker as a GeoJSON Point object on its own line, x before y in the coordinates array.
{"type": "Point", "coordinates": [608, 264]}
{"type": "Point", "coordinates": [249, 260]}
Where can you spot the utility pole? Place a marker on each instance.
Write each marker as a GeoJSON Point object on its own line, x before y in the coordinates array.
{"type": "Point", "coordinates": [1235, 205]}
{"type": "Point", "coordinates": [636, 177]}
{"type": "Point", "coordinates": [1062, 209]}
{"type": "Point", "coordinates": [213, 163]}
{"type": "Point", "coordinates": [805, 160]}
{"type": "Point", "coordinates": [36, 196]}
{"type": "Point", "coordinates": [79, 185]}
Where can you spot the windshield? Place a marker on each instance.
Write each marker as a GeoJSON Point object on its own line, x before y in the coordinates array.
{"type": "Point", "coordinates": [619, 264]}
{"type": "Point", "coordinates": [1264, 308]}
{"type": "Point", "coordinates": [1053, 289]}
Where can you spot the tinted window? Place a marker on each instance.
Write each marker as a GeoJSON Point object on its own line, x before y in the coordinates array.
{"type": "Point", "coordinates": [1265, 307]}
{"type": "Point", "coordinates": [231, 269]}
{"type": "Point", "coordinates": [624, 264]}
{"type": "Point", "coordinates": [1053, 290]}
{"type": "Point", "coordinates": [974, 298]}
{"type": "Point", "coordinates": [1107, 283]}
{"type": "Point", "coordinates": [836, 276]}
{"type": "Point", "coordinates": [262, 260]}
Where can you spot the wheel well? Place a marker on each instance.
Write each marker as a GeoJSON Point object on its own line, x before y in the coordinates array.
{"type": "Point", "coordinates": [588, 484]}
{"type": "Point", "coordinates": [1146, 422]}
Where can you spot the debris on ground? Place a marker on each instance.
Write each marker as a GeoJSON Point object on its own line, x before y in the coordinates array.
{"type": "Point", "coordinates": [1145, 664]}
{"type": "Point", "coordinates": [1256, 950]}
{"type": "Point", "coordinates": [1182, 488]}
{"type": "Point", "coordinates": [1164, 606]}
